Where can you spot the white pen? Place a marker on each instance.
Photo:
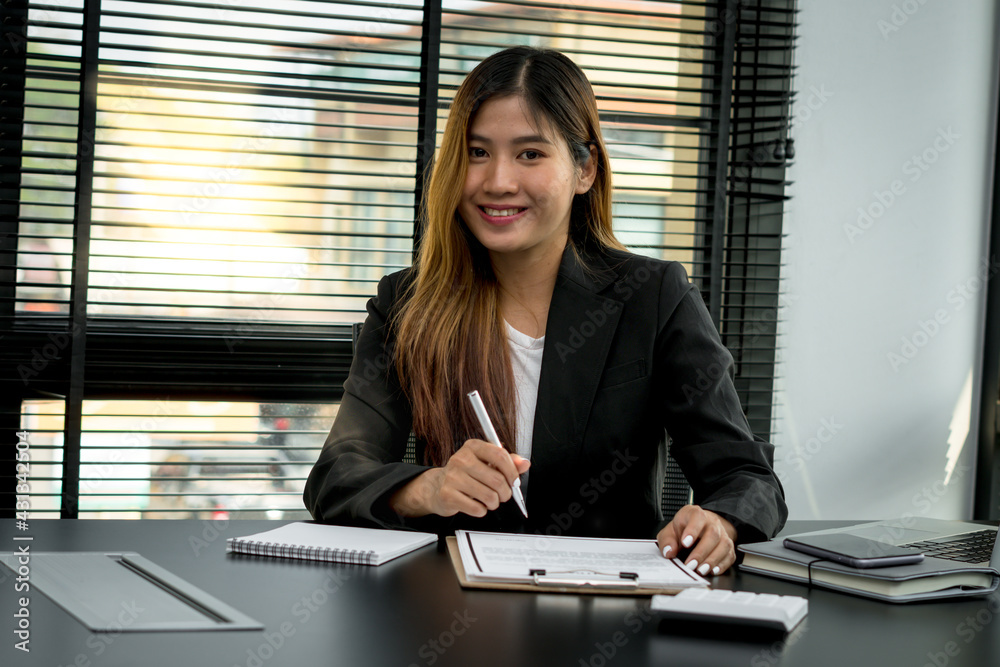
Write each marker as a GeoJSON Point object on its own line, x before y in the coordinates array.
{"type": "Point", "coordinates": [491, 436]}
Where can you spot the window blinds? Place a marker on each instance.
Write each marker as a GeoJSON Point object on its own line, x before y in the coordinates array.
{"type": "Point", "coordinates": [213, 189]}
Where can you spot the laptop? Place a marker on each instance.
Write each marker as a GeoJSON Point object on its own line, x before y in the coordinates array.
{"type": "Point", "coordinates": [946, 545]}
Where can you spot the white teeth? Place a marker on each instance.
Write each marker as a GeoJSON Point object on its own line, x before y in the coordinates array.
{"type": "Point", "coordinates": [496, 213]}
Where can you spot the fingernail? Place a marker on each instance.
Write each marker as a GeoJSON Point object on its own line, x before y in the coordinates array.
{"type": "Point", "coordinates": [716, 569]}
{"type": "Point", "coordinates": [666, 550]}
{"type": "Point", "coordinates": [703, 570]}
{"type": "Point", "coordinates": [687, 541]}
{"type": "Point", "coordinates": [693, 564]}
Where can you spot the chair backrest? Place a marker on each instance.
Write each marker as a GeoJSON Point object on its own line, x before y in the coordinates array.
{"type": "Point", "coordinates": [676, 490]}
{"type": "Point", "coordinates": [355, 332]}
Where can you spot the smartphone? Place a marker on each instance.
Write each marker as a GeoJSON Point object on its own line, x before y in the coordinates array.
{"type": "Point", "coordinates": [853, 550]}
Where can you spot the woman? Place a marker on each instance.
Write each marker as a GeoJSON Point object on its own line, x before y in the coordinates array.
{"type": "Point", "coordinates": [522, 292]}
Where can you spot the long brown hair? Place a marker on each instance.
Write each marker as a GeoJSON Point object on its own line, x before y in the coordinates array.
{"type": "Point", "coordinates": [450, 332]}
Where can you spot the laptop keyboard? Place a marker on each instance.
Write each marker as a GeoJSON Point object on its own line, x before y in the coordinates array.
{"type": "Point", "coordinates": [974, 547]}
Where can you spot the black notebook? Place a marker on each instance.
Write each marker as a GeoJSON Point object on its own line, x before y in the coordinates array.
{"type": "Point", "coordinates": [952, 567]}
{"type": "Point", "coordinates": [336, 544]}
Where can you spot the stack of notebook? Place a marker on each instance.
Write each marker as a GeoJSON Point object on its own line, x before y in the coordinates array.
{"type": "Point", "coordinates": [960, 560]}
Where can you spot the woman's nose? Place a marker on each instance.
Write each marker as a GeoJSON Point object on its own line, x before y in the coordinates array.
{"type": "Point", "coordinates": [500, 177]}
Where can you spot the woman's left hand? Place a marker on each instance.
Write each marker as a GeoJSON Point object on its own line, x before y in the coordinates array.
{"type": "Point", "coordinates": [710, 538]}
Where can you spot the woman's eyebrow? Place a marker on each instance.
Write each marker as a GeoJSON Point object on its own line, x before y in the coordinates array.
{"type": "Point", "coordinates": [529, 139]}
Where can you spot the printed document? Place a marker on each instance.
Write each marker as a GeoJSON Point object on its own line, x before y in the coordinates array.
{"type": "Point", "coordinates": [519, 558]}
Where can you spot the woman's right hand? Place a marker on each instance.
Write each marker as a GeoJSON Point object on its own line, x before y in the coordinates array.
{"type": "Point", "coordinates": [475, 480]}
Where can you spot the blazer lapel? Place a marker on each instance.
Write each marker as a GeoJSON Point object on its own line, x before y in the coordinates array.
{"type": "Point", "coordinates": [578, 333]}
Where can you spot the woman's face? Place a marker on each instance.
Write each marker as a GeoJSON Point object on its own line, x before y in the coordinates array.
{"type": "Point", "coordinates": [520, 184]}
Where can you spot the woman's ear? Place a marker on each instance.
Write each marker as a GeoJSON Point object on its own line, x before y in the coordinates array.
{"type": "Point", "coordinates": [588, 172]}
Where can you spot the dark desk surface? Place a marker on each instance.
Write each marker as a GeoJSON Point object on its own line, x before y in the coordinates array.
{"type": "Point", "coordinates": [412, 612]}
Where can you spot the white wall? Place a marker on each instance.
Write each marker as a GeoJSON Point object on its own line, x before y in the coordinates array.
{"type": "Point", "coordinates": [882, 321]}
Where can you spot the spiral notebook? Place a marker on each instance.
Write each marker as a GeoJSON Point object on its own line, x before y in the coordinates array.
{"type": "Point", "coordinates": [335, 544]}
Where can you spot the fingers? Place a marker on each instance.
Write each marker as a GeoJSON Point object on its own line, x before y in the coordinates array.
{"type": "Point", "coordinates": [521, 464]}
{"type": "Point", "coordinates": [476, 479]}
{"type": "Point", "coordinates": [461, 493]}
{"type": "Point", "coordinates": [483, 459]}
{"type": "Point", "coordinates": [675, 536]}
{"type": "Point", "coordinates": [720, 560]}
{"type": "Point", "coordinates": [710, 537]}
{"type": "Point", "coordinates": [489, 454]}
{"type": "Point", "coordinates": [668, 540]}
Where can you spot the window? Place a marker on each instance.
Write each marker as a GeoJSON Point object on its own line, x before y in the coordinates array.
{"type": "Point", "coordinates": [202, 196]}
{"type": "Point", "coordinates": [178, 459]}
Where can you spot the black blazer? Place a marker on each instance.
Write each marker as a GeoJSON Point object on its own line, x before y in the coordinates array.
{"type": "Point", "coordinates": [630, 354]}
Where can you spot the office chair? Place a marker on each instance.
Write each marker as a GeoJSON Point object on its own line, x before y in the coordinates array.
{"type": "Point", "coordinates": [676, 490]}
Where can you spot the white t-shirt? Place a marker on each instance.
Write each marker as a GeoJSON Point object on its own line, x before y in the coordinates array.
{"type": "Point", "coordinates": [526, 360]}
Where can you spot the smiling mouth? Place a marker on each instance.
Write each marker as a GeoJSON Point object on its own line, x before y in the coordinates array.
{"type": "Point", "coordinates": [500, 212]}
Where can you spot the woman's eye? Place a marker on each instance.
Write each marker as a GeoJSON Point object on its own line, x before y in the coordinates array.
{"type": "Point", "coordinates": [477, 152]}
{"type": "Point", "coordinates": [531, 155]}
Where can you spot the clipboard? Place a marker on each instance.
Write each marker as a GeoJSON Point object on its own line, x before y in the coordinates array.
{"type": "Point", "coordinates": [556, 582]}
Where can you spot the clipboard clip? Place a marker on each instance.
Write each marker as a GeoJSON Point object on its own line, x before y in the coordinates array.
{"type": "Point", "coordinates": [585, 579]}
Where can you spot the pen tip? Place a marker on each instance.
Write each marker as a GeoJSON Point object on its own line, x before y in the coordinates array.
{"type": "Point", "coordinates": [520, 506]}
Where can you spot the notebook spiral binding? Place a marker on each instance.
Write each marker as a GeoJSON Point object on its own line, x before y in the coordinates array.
{"type": "Point", "coordinates": [261, 548]}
